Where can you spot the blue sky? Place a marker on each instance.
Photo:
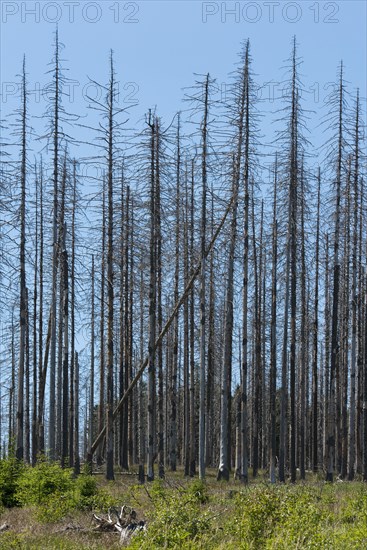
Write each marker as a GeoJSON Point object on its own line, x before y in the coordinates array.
{"type": "Point", "coordinates": [160, 44]}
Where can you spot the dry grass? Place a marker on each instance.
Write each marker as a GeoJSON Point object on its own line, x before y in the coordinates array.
{"type": "Point", "coordinates": [26, 533]}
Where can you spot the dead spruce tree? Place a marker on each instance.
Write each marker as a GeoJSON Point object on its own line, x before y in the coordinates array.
{"type": "Point", "coordinates": [293, 145]}
{"type": "Point", "coordinates": [19, 453]}
{"type": "Point", "coordinates": [336, 154]}
{"type": "Point", "coordinates": [273, 332]}
{"type": "Point", "coordinates": [108, 141]}
{"type": "Point", "coordinates": [241, 128]}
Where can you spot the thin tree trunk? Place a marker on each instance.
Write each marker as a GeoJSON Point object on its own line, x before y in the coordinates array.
{"type": "Point", "coordinates": [65, 359]}
{"type": "Point", "coordinates": [158, 237]}
{"type": "Point", "coordinates": [257, 353]}
{"type": "Point", "coordinates": [41, 380]}
{"type": "Point", "coordinates": [334, 361]}
{"type": "Point", "coordinates": [327, 350]}
{"type": "Point", "coordinates": [101, 409]}
{"type": "Point", "coordinates": [19, 453]}
{"type": "Point", "coordinates": [315, 400]}
{"type": "Point", "coordinates": [152, 311]}
{"type": "Point", "coordinates": [34, 438]}
{"type": "Point", "coordinates": [192, 337]}
{"type": "Point", "coordinates": [92, 352]}
{"type": "Point", "coordinates": [284, 386]}
{"type": "Point", "coordinates": [76, 409]}
{"type": "Point", "coordinates": [364, 419]}
{"type": "Point", "coordinates": [353, 359]}
{"type": "Point", "coordinates": [110, 280]}
{"type": "Point", "coordinates": [273, 333]}
{"type": "Point", "coordinates": [186, 339]}
{"type": "Point", "coordinates": [304, 340]}
{"type": "Point", "coordinates": [224, 459]}
{"type": "Point", "coordinates": [27, 389]}
{"type": "Point", "coordinates": [345, 334]}
{"type": "Point", "coordinates": [202, 283]}
{"type": "Point", "coordinates": [72, 327]}
{"type": "Point", "coordinates": [244, 135]}
{"type": "Point", "coordinates": [293, 267]}
{"type": "Point", "coordinates": [52, 400]}
{"type": "Point", "coordinates": [173, 388]}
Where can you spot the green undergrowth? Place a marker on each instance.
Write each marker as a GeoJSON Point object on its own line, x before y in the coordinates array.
{"type": "Point", "coordinates": [260, 516]}
{"type": "Point", "coordinates": [51, 492]}
{"type": "Point", "coordinates": [180, 513]}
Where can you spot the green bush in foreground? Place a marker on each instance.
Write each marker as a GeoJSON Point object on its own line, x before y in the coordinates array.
{"type": "Point", "coordinates": [10, 471]}
{"type": "Point", "coordinates": [192, 515]}
{"type": "Point", "coordinates": [260, 517]}
{"type": "Point", "coordinates": [51, 490]}
{"type": "Point", "coordinates": [44, 482]}
{"type": "Point", "coordinates": [179, 517]}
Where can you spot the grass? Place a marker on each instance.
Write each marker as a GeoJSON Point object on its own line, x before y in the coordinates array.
{"type": "Point", "coordinates": [189, 514]}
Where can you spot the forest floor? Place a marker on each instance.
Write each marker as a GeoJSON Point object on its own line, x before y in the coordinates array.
{"type": "Point", "coordinates": [186, 513]}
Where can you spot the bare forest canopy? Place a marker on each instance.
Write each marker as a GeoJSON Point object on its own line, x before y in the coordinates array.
{"type": "Point", "coordinates": [189, 293]}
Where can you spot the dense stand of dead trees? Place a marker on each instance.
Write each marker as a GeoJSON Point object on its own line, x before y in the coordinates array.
{"type": "Point", "coordinates": [217, 325]}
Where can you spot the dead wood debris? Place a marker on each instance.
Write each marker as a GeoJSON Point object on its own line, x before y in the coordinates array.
{"type": "Point", "coordinates": [124, 522]}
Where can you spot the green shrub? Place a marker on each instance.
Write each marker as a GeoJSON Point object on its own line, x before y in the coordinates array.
{"type": "Point", "coordinates": [198, 489]}
{"type": "Point", "coordinates": [260, 513]}
{"type": "Point", "coordinates": [10, 470]}
{"type": "Point", "coordinates": [46, 480]}
{"type": "Point", "coordinates": [303, 521]}
{"type": "Point", "coordinates": [179, 520]}
{"type": "Point", "coordinates": [56, 508]}
{"type": "Point", "coordinates": [87, 496]}
{"type": "Point", "coordinates": [86, 491]}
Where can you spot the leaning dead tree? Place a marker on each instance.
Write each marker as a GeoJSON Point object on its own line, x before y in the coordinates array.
{"type": "Point", "coordinates": [160, 337]}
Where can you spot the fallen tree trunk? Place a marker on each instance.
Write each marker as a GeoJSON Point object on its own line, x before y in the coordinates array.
{"type": "Point", "coordinates": [159, 339]}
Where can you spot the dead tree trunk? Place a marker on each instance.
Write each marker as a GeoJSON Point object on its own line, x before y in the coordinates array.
{"type": "Point", "coordinates": [334, 360]}
{"type": "Point", "coordinates": [159, 357]}
{"type": "Point", "coordinates": [110, 280]}
{"type": "Point", "coordinates": [23, 308]}
{"type": "Point", "coordinates": [186, 338]}
{"type": "Point", "coordinates": [173, 388]}
{"type": "Point", "coordinates": [65, 358]}
{"type": "Point", "coordinates": [34, 438]}
{"type": "Point", "coordinates": [152, 310]}
{"type": "Point", "coordinates": [192, 335]}
{"type": "Point", "coordinates": [353, 359]}
{"type": "Point", "coordinates": [27, 387]}
{"type": "Point", "coordinates": [304, 340]}
{"type": "Point", "coordinates": [76, 409]}
{"type": "Point", "coordinates": [224, 459]}
{"type": "Point", "coordinates": [273, 333]}
{"type": "Point", "coordinates": [101, 408]}
{"type": "Point", "coordinates": [52, 401]}
{"type": "Point", "coordinates": [204, 154]}
{"type": "Point", "coordinates": [72, 324]}
{"type": "Point", "coordinates": [92, 352]}
{"type": "Point", "coordinates": [315, 421]}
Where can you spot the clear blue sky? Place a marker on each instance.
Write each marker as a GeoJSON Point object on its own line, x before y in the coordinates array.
{"type": "Point", "coordinates": [170, 40]}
